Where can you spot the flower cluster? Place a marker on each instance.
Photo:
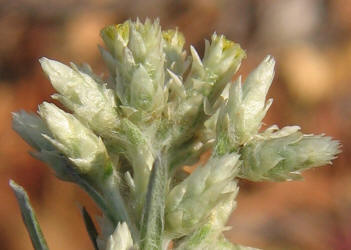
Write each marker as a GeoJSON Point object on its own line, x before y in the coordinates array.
{"type": "Point", "coordinates": [125, 139]}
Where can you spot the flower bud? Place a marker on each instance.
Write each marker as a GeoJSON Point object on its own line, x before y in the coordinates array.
{"type": "Point", "coordinates": [121, 238]}
{"type": "Point", "coordinates": [77, 142]}
{"type": "Point", "coordinates": [139, 59]}
{"type": "Point", "coordinates": [190, 202]}
{"type": "Point", "coordinates": [282, 155]}
{"type": "Point", "coordinates": [93, 103]}
{"type": "Point", "coordinates": [221, 56]}
{"type": "Point", "coordinates": [116, 38]}
{"type": "Point", "coordinates": [210, 235]}
{"type": "Point", "coordinates": [207, 80]}
{"type": "Point", "coordinates": [221, 60]}
{"type": "Point", "coordinates": [247, 105]}
{"type": "Point", "coordinates": [175, 54]}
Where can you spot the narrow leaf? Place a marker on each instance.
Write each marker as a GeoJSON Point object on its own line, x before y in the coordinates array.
{"type": "Point", "coordinates": [89, 224]}
{"type": "Point", "coordinates": [97, 197]}
{"type": "Point", "coordinates": [29, 217]}
{"type": "Point", "coordinates": [72, 175]}
{"type": "Point", "coordinates": [111, 203]}
{"type": "Point", "coordinates": [152, 226]}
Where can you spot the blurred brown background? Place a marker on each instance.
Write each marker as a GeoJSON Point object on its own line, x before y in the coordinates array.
{"type": "Point", "coordinates": [311, 40]}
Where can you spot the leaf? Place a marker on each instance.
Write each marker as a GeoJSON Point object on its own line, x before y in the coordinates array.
{"type": "Point", "coordinates": [62, 165]}
{"type": "Point", "coordinates": [89, 224]}
{"type": "Point", "coordinates": [97, 197]}
{"type": "Point", "coordinates": [29, 217]}
{"type": "Point", "coordinates": [152, 226]}
{"type": "Point", "coordinates": [111, 204]}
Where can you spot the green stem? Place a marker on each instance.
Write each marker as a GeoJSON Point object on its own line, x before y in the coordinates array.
{"type": "Point", "coordinates": [114, 198]}
{"type": "Point", "coordinates": [152, 226]}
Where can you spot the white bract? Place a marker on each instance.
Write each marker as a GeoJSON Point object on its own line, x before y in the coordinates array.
{"type": "Point", "coordinates": [93, 103]}
{"type": "Point", "coordinates": [247, 104]}
{"type": "Point", "coordinates": [191, 202]}
{"type": "Point", "coordinates": [121, 239]}
{"type": "Point", "coordinates": [77, 142]}
{"type": "Point", "coordinates": [282, 155]}
{"type": "Point", "coordinates": [136, 60]}
{"type": "Point", "coordinates": [130, 135]}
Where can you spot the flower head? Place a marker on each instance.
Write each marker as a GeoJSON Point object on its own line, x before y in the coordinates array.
{"type": "Point", "coordinates": [284, 154]}
{"type": "Point", "coordinates": [77, 142]}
